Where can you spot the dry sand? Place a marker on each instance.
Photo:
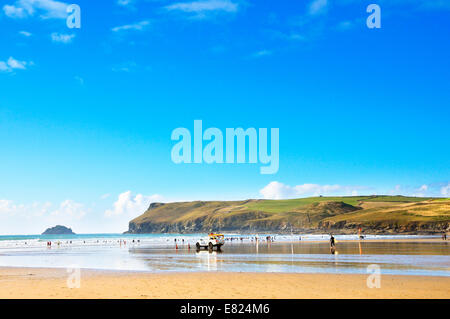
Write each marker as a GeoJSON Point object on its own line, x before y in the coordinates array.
{"type": "Point", "coordinates": [51, 283]}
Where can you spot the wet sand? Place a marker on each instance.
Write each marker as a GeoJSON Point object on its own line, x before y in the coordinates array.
{"type": "Point", "coordinates": [393, 240]}
{"type": "Point", "coordinates": [52, 283]}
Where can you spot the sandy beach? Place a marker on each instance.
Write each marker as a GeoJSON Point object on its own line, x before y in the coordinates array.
{"type": "Point", "coordinates": [52, 283]}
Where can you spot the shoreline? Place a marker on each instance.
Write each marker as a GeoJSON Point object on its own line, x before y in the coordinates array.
{"type": "Point", "coordinates": [389, 240]}
{"type": "Point", "coordinates": [50, 283]}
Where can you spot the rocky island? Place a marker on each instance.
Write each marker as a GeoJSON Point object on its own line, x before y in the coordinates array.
{"type": "Point", "coordinates": [58, 230]}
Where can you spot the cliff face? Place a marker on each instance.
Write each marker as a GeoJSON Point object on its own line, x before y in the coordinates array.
{"type": "Point", "coordinates": [425, 217]}
{"type": "Point", "coordinates": [373, 214]}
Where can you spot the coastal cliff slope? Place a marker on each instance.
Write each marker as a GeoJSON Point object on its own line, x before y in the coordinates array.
{"type": "Point", "coordinates": [374, 214]}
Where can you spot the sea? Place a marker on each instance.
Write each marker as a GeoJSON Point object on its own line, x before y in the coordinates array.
{"type": "Point", "coordinates": [300, 253]}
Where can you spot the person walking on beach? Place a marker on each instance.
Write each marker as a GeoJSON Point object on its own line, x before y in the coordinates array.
{"type": "Point", "coordinates": [332, 245]}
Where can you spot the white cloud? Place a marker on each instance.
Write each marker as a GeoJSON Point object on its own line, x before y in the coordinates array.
{"type": "Point", "coordinates": [139, 26]}
{"type": "Point", "coordinates": [79, 79]}
{"type": "Point", "coordinates": [445, 190]}
{"type": "Point", "coordinates": [262, 53]}
{"type": "Point", "coordinates": [18, 218]}
{"type": "Point", "coordinates": [396, 191]}
{"type": "Point", "coordinates": [14, 12]}
{"type": "Point", "coordinates": [345, 25]}
{"type": "Point", "coordinates": [105, 196]}
{"type": "Point", "coordinates": [45, 8]}
{"type": "Point", "coordinates": [277, 190]}
{"type": "Point", "coordinates": [130, 205]}
{"type": "Point", "coordinates": [12, 64]}
{"type": "Point", "coordinates": [67, 208]}
{"type": "Point", "coordinates": [25, 33]}
{"type": "Point", "coordinates": [435, 4]}
{"type": "Point", "coordinates": [425, 190]}
{"type": "Point", "coordinates": [124, 3]}
{"type": "Point", "coordinates": [206, 5]}
{"type": "Point", "coordinates": [70, 209]}
{"type": "Point", "coordinates": [7, 207]}
{"type": "Point", "coordinates": [201, 9]}
{"type": "Point", "coordinates": [125, 67]}
{"type": "Point", "coordinates": [62, 38]}
{"type": "Point", "coordinates": [318, 7]}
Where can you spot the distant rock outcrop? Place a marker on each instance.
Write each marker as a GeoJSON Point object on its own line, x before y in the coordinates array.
{"type": "Point", "coordinates": [58, 230]}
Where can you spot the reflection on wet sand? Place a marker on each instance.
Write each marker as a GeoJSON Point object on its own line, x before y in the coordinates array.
{"type": "Point", "coordinates": [350, 257]}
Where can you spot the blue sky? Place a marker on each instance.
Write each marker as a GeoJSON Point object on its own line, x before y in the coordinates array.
{"type": "Point", "coordinates": [86, 114]}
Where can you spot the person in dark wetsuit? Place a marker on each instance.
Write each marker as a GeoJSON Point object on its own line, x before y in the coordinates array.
{"type": "Point", "coordinates": [332, 245]}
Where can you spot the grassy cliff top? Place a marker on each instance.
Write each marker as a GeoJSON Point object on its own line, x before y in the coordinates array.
{"type": "Point", "coordinates": [301, 213]}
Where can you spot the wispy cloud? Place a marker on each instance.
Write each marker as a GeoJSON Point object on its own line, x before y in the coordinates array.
{"type": "Point", "coordinates": [345, 25]}
{"type": "Point", "coordinates": [62, 38]}
{"type": "Point", "coordinates": [291, 36]}
{"type": "Point", "coordinates": [445, 190]}
{"type": "Point", "coordinates": [139, 26]}
{"type": "Point", "coordinates": [130, 205]}
{"type": "Point", "coordinates": [125, 67]}
{"type": "Point", "coordinates": [204, 8]}
{"type": "Point", "coordinates": [277, 190]}
{"type": "Point", "coordinates": [12, 64]}
{"type": "Point", "coordinates": [206, 5]}
{"type": "Point", "coordinates": [412, 4]}
{"type": "Point", "coordinates": [105, 196]}
{"type": "Point", "coordinates": [15, 12]}
{"type": "Point", "coordinates": [124, 3]}
{"type": "Point", "coordinates": [435, 4]}
{"type": "Point", "coordinates": [261, 53]}
{"type": "Point", "coordinates": [318, 7]}
{"type": "Point", "coordinates": [31, 218]}
{"type": "Point", "coordinates": [79, 79]}
{"type": "Point", "coordinates": [46, 9]}
{"type": "Point", "coordinates": [70, 209]}
{"type": "Point", "coordinates": [25, 33]}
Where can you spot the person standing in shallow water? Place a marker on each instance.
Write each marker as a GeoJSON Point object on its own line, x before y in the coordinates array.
{"type": "Point", "coordinates": [332, 244]}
